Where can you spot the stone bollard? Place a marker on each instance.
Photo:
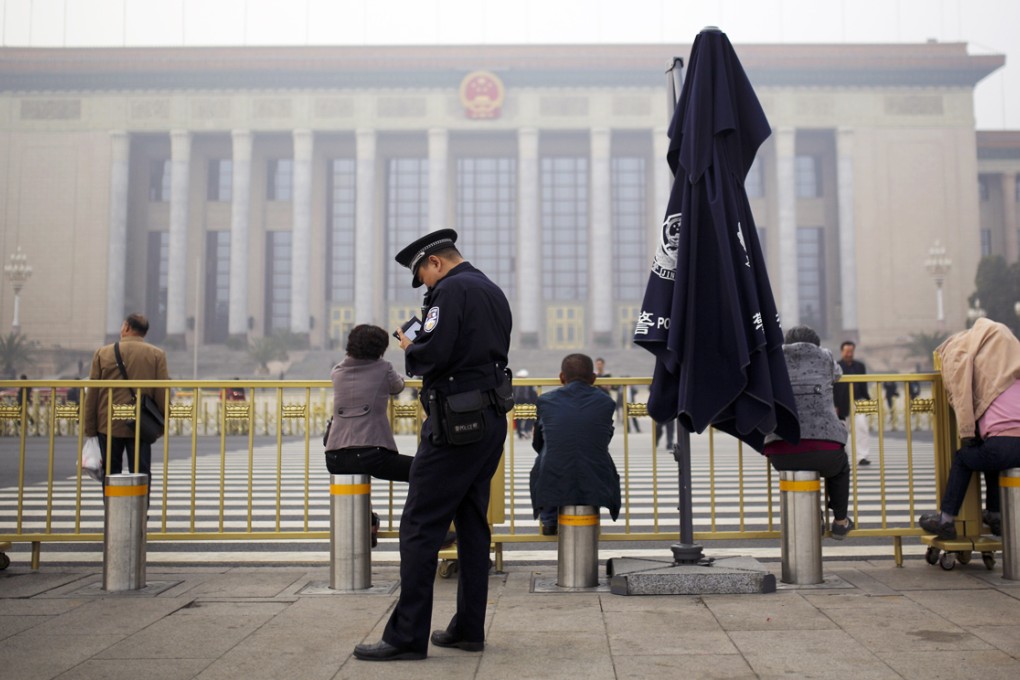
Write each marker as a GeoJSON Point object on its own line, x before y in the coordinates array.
{"type": "Point", "coordinates": [1009, 490]}
{"type": "Point", "coordinates": [126, 498]}
{"type": "Point", "coordinates": [578, 555]}
{"type": "Point", "coordinates": [350, 536]}
{"type": "Point", "coordinates": [799, 492]}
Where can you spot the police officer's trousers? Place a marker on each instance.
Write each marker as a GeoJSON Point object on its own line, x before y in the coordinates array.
{"type": "Point", "coordinates": [448, 483]}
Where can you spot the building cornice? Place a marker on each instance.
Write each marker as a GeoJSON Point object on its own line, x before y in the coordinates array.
{"type": "Point", "coordinates": [169, 68]}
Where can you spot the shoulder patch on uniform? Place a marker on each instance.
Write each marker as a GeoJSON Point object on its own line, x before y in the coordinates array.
{"type": "Point", "coordinates": [431, 320]}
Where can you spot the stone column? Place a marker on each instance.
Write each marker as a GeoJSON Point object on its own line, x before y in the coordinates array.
{"type": "Point", "coordinates": [367, 279]}
{"type": "Point", "coordinates": [1009, 216]}
{"type": "Point", "coordinates": [847, 229]}
{"type": "Point", "coordinates": [600, 274]}
{"type": "Point", "coordinates": [177, 257]}
{"type": "Point", "coordinates": [301, 236]}
{"type": "Point", "coordinates": [116, 266]}
{"type": "Point", "coordinates": [240, 220]}
{"type": "Point", "coordinates": [529, 239]}
{"type": "Point", "coordinates": [789, 311]}
{"type": "Point", "coordinates": [439, 142]}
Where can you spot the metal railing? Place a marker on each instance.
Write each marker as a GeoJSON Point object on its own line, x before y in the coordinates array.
{"type": "Point", "coordinates": [252, 469]}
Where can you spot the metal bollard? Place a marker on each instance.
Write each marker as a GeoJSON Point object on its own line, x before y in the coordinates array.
{"type": "Point", "coordinates": [1009, 491]}
{"type": "Point", "coordinates": [799, 492]}
{"type": "Point", "coordinates": [350, 536]}
{"type": "Point", "coordinates": [577, 563]}
{"type": "Point", "coordinates": [126, 499]}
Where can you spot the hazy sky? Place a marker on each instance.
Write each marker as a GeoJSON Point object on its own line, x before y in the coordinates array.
{"type": "Point", "coordinates": [988, 26]}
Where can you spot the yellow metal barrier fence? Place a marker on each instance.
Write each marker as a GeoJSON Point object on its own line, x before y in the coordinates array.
{"type": "Point", "coordinates": [248, 466]}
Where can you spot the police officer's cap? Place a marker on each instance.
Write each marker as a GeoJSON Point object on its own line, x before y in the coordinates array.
{"type": "Point", "coordinates": [412, 255]}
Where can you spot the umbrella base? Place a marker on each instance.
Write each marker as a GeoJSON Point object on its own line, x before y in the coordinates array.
{"type": "Point", "coordinates": [688, 553]}
{"type": "Point", "coordinates": [731, 575]}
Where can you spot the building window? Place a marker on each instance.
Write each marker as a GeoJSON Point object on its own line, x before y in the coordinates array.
{"type": "Point", "coordinates": [565, 228]}
{"type": "Point", "coordinates": [986, 242]}
{"type": "Point", "coordinates": [219, 183]}
{"type": "Point", "coordinates": [630, 224]}
{"type": "Point", "coordinates": [156, 284]}
{"type": "Point", "coordinates": [754, 183]}
{"type": "Point", "coordinates": [810, 278]}
{"type": "Point", "coordinates": [982, 189]}
{"type": "Point", "coordinates": [278, 274]}
{"type": "Point", "coordinates": [407, 214]}
{"type": "Point", "coordinates": [341, 245]}
{"type": "Point", "coordinates": [280, 179]}
{"type": "Point", "coordinates": [806, 177]}
{"type": "Point", "coordinates": [217, 286]}
{"type": "Point", "coordinates": [487, 215]}
{"type": "Point", "coordinates": [159, 181]}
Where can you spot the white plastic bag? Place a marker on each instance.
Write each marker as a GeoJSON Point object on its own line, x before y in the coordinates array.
{"type": "Point", "coordinates": [92, 459]}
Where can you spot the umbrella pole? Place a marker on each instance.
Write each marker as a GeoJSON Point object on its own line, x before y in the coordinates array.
{"type": "Point", "coordinates": [686, 551]}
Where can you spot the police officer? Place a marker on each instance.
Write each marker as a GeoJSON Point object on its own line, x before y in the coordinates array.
{"type": "Point", "coordinates": [461, 354]}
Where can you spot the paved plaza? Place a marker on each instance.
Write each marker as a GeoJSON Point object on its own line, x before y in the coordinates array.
{"type": "Point", "coordinates": [871, 620]}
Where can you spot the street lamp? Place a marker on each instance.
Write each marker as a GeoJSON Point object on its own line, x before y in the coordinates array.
{"type": "Point", "coordinates": [974, 313]}
{"type": "Point", "coordinates": [18, 271]}
{"type": "Point", "coordinates": [938, 266]}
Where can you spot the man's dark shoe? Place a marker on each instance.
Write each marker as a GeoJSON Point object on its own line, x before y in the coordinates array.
{"type": "Point", "coordinates": [549, 529]}
{"type": "Point", "coordinates": [384, 651]}
{"type": "Point", "coordinates": [375, 529]}
{"type": "Point", "coordinates": [994, 522]}
{"type": "Point", "coordinates": [864, 461]}
{"type": "Point", "coordinates": [933, 524]}
{"type": "Point", "coordinates": [444, 638]}
{"type": "Point", "coordinates": [840, 531]}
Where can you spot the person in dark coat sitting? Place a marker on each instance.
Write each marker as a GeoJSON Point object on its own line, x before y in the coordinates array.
{"type": "Point", "coordinates": [572, 434]}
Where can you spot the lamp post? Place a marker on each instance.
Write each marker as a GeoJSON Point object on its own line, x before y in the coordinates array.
{"type": "Point", "coordinates": [18, 271]}
{"type": "Point", "coordinates": [976, 312]}
{"type": "Point", "coordinates": [938, 265]}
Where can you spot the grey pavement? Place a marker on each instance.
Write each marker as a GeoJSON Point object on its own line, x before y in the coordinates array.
{"type": "Point", "coordinates": [869, 620]}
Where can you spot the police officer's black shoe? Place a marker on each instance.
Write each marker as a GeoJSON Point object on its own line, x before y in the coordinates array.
{"type": "Point", "coordinates": [444, 638]}
{"type": "Point", "coordinates": [384, 651]}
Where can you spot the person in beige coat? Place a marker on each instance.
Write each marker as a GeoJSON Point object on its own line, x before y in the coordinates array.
{"type": "Point", "coordinates": [981, 373]}
{"type": "Point", "coordinates": [142, 361]}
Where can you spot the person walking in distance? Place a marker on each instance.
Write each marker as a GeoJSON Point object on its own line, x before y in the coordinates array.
{"type": "Point", "coordinates": [461, 355]}
{"type": "Point", "coordinates": [844, 392]}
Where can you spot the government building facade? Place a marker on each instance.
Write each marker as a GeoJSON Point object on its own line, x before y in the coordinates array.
{"type": "Point", "coordinates": [233, 193]}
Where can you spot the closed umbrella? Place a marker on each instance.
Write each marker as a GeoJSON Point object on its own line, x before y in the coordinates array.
{"type": "Point", "coordinates": [708, 314]}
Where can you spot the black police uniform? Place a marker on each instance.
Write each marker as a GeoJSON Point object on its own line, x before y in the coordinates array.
{"type": "Point", "coordinates": [463, 346]}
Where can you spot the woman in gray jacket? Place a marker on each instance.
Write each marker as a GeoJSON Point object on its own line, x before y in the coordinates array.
{"type": "Point", "coordinates": [360, 439]}
{"type": "Point", "coordinates": [822, 445]}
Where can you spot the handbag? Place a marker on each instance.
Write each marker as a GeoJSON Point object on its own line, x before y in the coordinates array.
{"type": "Point", "coordinates": [150, 424]}
{"type": "Point", "coordinates": [92, 459]}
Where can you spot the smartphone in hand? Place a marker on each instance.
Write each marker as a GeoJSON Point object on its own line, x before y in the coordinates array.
{"type": "Point", "coordinates": [411, 328]}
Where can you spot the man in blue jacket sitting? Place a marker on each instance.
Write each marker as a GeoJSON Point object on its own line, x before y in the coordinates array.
{"type": "Point", "coordinates": [572, 433]}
